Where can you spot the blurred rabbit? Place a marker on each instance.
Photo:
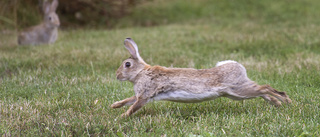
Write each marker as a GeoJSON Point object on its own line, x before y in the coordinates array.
{"type": "Point", "coordinates": [188, 85]}
{"type": "Point", "coordinates": [47, 31]}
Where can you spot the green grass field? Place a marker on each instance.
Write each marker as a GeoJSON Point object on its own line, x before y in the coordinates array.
{"type": "Point", "coordinates": [66, 89]}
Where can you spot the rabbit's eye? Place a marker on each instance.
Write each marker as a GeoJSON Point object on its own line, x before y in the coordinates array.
{"type": "Point", "coordinates": [50, 18]}
{"type": "Point", "coordinates": [128, 64]}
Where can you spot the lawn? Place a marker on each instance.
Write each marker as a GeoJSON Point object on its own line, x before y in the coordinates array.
{"type": "Point", "coordinates": [66, 88]}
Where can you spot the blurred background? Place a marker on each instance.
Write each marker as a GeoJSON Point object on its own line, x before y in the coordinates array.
{"type": "Point", "coordinates": [18, 14]}
{"type": "Point", "coordinates": [75, 13]}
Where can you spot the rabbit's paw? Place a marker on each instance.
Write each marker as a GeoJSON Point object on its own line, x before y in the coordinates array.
{"type": "Point", "coordinates": [116, 104]}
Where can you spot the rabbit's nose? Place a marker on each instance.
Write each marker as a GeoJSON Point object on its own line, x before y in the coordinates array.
{"type": "Point", "coordinates": [57, 23]}
{"type": "Point", "coordinates": [119, 77]}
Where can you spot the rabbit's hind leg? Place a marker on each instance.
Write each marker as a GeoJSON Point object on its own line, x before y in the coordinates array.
{"type": "Point", "coordinates": [273, 92]}
{"type": "Point", "coordinates": [252, 90]}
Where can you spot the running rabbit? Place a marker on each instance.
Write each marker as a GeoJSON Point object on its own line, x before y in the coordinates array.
{"type": "Point", "coordinates": [47, 31]}
{"type": "Point", "coordinates": [188, 85]}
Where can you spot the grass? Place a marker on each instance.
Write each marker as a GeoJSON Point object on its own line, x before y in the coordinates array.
{"type": "Point", "coordinates": [66, 89]}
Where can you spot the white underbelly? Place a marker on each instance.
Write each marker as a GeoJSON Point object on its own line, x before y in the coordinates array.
{"type": "Point", "coordinates": [186, 97]}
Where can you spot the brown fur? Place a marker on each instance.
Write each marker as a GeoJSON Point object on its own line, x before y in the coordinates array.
{"type": "Point", "coordinates": [187, 84]}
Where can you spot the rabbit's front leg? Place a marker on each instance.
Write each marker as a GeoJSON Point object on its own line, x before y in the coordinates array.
{"type": "Point", "coordinates": [127, 101]}
{"type": "Point", "coordinates": [136, 106]}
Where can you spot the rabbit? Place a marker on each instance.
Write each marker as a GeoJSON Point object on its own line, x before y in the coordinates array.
{"type": "Point", "coordinates": [47, 31]}
{"type": "Point", "coordinates": [187, 85]}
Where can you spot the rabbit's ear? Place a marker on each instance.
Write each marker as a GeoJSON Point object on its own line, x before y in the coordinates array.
{"type": "Point", "coordinates": [45, 6]}
{"type": "Point", "coordinates": [54, 5]}
{"type": "Point", "coordinates": [132, 48]}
